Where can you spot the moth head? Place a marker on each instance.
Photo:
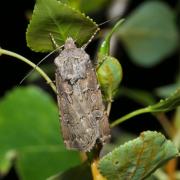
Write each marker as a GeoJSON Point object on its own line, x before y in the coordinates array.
{"type": "Point", "coordinates": [69, 43]}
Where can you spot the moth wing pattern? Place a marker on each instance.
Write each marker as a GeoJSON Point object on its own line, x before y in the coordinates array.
{"type": "Point", "coordinates": [97, 106]}
{"type": "Point", "coordinates": [78, 132]}
{"type": "Point", "coordinates": [83, 116]}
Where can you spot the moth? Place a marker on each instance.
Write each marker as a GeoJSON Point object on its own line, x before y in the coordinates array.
{"type": "Point", "coordinates": [84, 120]}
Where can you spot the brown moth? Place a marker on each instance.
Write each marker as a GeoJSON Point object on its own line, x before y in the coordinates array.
{"type": "Point", "coordinates": [83, 116]}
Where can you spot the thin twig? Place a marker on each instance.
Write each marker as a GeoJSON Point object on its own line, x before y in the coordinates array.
{"type": "Point", "coordinates": [39, 70]}
{"type": "Point", "coordinates": [128, 116]}
{"type": "Point", "coordinates": [95, 172]}
{"type": "Point", "coordinates": [164, 121]}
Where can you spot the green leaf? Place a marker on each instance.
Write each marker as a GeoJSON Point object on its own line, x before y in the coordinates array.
{"type": "Point", "coordinates": [150, 33]}
{"type": "Point", "coordinates": [52, 16]}
{"type": "Point", "coordinates": [167, 90]}
{"type": "Point", "coordinates": [119, 137]}
{"type": "Point", "coordinates": [138, 158]}
{"type": "Point", "coordinates": [81, 172]}
{"type": "Point", "coordinates": [29, 132]}
{"type": "Point", "coordinates": [86, 5]}
{"type": "Point", "coordinates": [109, 76]}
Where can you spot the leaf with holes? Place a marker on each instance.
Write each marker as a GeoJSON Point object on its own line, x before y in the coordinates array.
{"type": "Point", "coordinates": [138, 158]}
{"type": "Point", "coordinates": [60, 20]}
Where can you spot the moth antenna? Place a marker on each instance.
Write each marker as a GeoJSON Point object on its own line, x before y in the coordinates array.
{"type": "Point", "coordinates": [109, 20]}
{"type": "Point", "coordinates": [85, 45]}
{"type": "Point", "coordinates": [98, 29]}
{"type": "Point", "coordinates": [31, 71]}
{"type": "Point", "coordinates": [54, 43]}
{"type": "Point", "coordinates": [55, 46]}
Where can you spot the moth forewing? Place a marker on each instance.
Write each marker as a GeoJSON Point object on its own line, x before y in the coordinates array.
{"type": "Point", "coordinates": [83, 116]}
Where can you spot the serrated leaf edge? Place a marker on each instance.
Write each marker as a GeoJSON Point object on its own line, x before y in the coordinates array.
{"type": "Point", "coordinates": [131, 141]}
{"type": "Point", "coordinates": [65, 5]}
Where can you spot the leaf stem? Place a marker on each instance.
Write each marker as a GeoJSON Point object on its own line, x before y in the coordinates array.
{"type": "Point", "coordinates": [39, 70]}
{"type": "Point", "coordinates": [164, 121]}
{"type": "Point", "coordinates": [95, 172]}
{"type": "Point", "coordinates": [128, 116]}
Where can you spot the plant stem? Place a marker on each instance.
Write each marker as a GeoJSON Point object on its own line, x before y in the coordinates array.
{"type": "Point", "coordinates": [95, 172]}
{"type": "Point", "coordinates": [128, 116]}
{"type": "Point", "coordinates": [170, 169]}
{"type": "Point", "coordinates": [83, 156]}
{"type": "Point", "coordinates": [39, 70]}
{"type": "Point", "coordinates": [163, 120]}
{"type": "Point", "coordinates": [160, 116]}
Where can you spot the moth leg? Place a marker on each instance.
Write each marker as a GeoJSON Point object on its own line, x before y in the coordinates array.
{"type": "Point", "coordinates": [50, 82]}
{"type": "Point", "coordinates": [103, 124]}
{"type": "Point", "coordinates": [104, 129]}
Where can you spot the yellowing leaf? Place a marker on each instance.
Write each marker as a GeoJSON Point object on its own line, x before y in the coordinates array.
{"type": "Point", "coordinates": [138, 158]}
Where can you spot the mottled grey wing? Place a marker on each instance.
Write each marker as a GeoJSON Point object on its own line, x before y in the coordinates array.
{"type": "Point", "coordinates": [79, 128]}
{"type": "Point", "coordinates": [97, 106]}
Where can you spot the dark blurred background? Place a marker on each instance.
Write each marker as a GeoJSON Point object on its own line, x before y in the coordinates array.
{"type": "Point", "coordinates": [13, 24]}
